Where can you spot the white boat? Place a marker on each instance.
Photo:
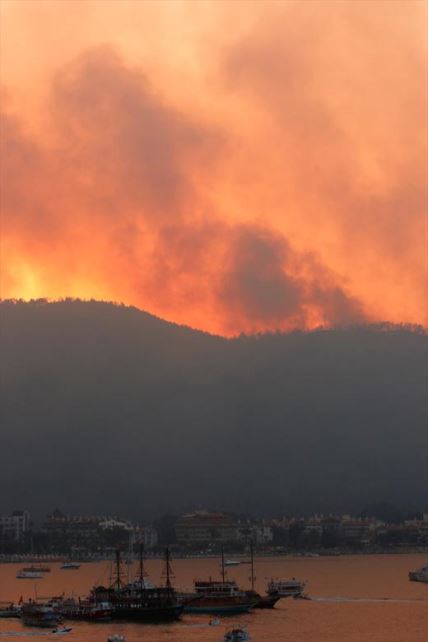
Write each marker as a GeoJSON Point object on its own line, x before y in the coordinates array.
{"type": "Point", "coordinates": [10, 611]}
{"type": "Point", "coordinates": [286, 588]}
{"type": "Point", "coordinates": [70, 566]}
{"type": "Point", "coordinates": [237, 635]}
{"type": "Point", "coordinates": [421, 575]}
{"type": "Point", "coordinates": [41, 614]}
{"type": "Point", "coordinates": [29, 575]}
{"type": "Point", "coordinates": [116, 637]}
{"type": "Point", "coordinates": [232, 563]}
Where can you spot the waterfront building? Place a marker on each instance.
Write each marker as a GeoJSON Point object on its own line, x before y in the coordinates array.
{"type": "Point", "coordinates": [202, 528]}
{"type": "Point", "coordinates": [259, 533]}
{"type": "Point", "coordinates": [148, 537]}
{"type": "Point", "coordinates": [355, 531]}
{"type": "Point", "coordinates": [16, 525]}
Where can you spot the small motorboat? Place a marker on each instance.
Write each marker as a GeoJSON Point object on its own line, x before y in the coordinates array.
{"type": "Point", "coordinates": [70, 566]}
{"type": "Point", "coordinates": [421, 575]}
{"type": "Point", "coordinates": [215, 622]}
{"type": "Point", "coordinates": [116, 637]}
{"type": "Point", "coordinates": [29, 575]}
{"type": "Point", "coordinates": [232, 563]}
{"type": "Point", "coordinates": [62, 631]}
{"type": "Point", "coordinates": [237, 635]}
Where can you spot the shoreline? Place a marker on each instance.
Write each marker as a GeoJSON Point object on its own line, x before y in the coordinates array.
{"type": "Point", "coordinates": [242, 558]}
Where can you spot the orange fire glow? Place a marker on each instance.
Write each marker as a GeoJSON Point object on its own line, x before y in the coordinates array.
{"type": "Point", "coordinates": [232, 166]}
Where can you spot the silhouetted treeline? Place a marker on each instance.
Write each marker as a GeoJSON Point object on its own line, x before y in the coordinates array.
{"type": "Point", "coordinates": [105, 408]}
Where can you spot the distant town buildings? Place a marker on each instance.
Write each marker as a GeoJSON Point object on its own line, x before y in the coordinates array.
{"type": "Point", "coordinates": [205, 531]}
{"type": "Point", "coordinates": [16, 525]}
{"type": "Point", "coordinates": [89, 533]}
{"type": "Point", "coordinates": [347, 532]}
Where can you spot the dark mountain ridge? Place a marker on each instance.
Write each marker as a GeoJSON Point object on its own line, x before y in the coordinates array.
{"type": "Point", "coordinates": [107, 409]}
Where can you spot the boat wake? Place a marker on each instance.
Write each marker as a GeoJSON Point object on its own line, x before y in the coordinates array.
{"type": "Point", "coordinates": [367, 600]}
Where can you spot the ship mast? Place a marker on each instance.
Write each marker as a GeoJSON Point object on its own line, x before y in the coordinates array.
{"type": "Point", "coordinates": [130, 559]}
{"type": "Point", "coordinates": [222, 564]}
{"type": "Point", "coordinates": [252, 566]}
{"type": "Point", "coordinates": [118, 581]}
{"type": "Point", "coordinates": [142, 572]}
{"type": "Point", "coordinates": [168, 570]}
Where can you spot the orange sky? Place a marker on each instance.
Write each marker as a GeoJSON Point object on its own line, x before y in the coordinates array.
{"type": "Point", "coordinates": [234, 166]}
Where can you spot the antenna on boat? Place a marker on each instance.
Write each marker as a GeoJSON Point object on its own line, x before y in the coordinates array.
{"type": "Point", "coordinates": [222, 564]}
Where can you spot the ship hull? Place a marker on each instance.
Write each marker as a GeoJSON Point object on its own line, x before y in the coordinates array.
{"type": "Point", "coordinates": [87, 615]}
{"type": "Point", "coordinates": [263, 601]}
{"type": "Point", "coordinates": [267, 602]}
{"type": "Point", "coordinates": [136, 614]}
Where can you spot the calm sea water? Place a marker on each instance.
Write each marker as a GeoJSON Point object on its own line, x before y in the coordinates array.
{"type": "Point", "coordinates": [355, 599]}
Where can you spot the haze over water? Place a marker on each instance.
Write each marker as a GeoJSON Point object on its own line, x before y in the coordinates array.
{"type": "Point", "coordinates": [354, 598]}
